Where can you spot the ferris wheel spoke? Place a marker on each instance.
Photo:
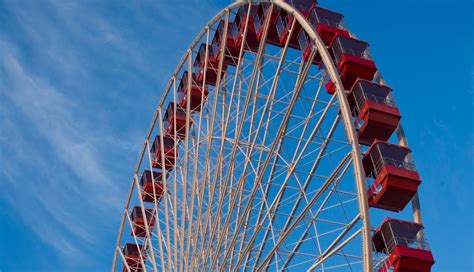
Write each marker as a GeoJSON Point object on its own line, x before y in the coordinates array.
{"type": "Point", "coordinates": [166, 192]}
{"type": "Point", "coordinates": [314, 219]}
{"type": "Point", "coordinates": [174, 196]}
{"type": "Point", "coordinates": [209, 128]}
{"type": "Point", "coordinates": [272, 171]}
{"type": "Point", "coordinates": [156, 206]}
{"type": "Point", "coordinates": [146, 223]}
{"type": "Point", "coordinates": [196, 148]}
{"type": "Point", "coordinates": [301, 216]}
{"type": "Point", "coordinates": [179, 232]}
{"type": "Point", "coordinates": [237, 136]}
{"type": "Point", "coordinates": [277, 140]}
{"type": "Point", "coordinates": [247, 225]}
{"type": "Point", "coordinates": [264, 201]}
{"type": "Point", "coordinates": [335, 250]}
{"type": "Point", "coordinates": [242, 197]}
{"type": "Point", "coordinates": [124, 260]}
{"type": "Point", "coordinates": [315, 216]}
{"type": "Point", "coordinates": [338, 239]}
{"type": "Point", "coordinates": [238, 193]}
{"type": "Point", "coordinates": [201, 203]}
{"type": "Point", "coordinates": [210, 139]}
{"type": "Point", "coordinates": [260, 212]}
{"type": "Point", "coordinates": [252, 146]}
{"type": "Point", "coordinates": [271, 98]}
{"type": "Point", "coordinates": [135, 238]}
{"type": "Point", "coordinates": [313, 169]}
{"type": "Point", "coordinates": [309, 116]}
{"type": "Point", "coordinates": [296, 247]}
{"type": "Point", "coordinates": [281, 193]}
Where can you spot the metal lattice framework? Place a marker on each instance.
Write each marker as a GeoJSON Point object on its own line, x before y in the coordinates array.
{"type": "Point", "coordinates": [268, 175]}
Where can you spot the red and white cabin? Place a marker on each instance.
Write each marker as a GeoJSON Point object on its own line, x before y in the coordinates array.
{"type": "Point", "coordinates": [238, 26]}
{"type": "Point", "coordinates": [405, 246]}
{"type": "Point", "coordinates": [328, 24]}
{"type": "Point", "coordinates": [396, 178]}
{"type": "Point", "coordinates": [139, 221]}
{"type": "Point", "coordinates": [197, 94]}
{"type": "Point", "coordinates": [284, 21]}
{"type": "Point", "coordinates": [353, 61]}
{"type": "Point", "coordinates": [306, 47]}
{"type": "Point", "coordinates": [259, 23]}
{"type": "Point", "coordinates": [212, 70]}
{"type": "Point", "coordinates": [152, 186]}
{"type": "Point", "coordinates": [375, 111]}
{"type": "Point", "coordinates": [132, 257]}
{"type": "Point", "coordinates": [174, 121]}
{"type": "Point", "coordinates": [231, 50]}
{"type": "Point", "coordinates": [168, 150]}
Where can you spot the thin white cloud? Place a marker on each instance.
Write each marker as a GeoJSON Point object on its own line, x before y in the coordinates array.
{"type": "Point", "coordinates": [51, 208]}
{"type": "Point", "coordinates": [36, 205]}
{"type": "Point", "coordinates": [60, 206]}
{"type": "Point", "coordinates": [61, 159]}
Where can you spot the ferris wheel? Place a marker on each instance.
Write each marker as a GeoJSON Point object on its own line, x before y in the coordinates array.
{"type": "Point", "coordinates": [276, 146]}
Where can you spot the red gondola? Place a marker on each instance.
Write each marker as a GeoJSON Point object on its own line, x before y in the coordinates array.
{"type": "Point", "coordinates": [132, 256]}
{"type": "Point", "coordinates": [306, 45]}
{"type": "Point", "coordinates": [375, 110]}
{"type": "Point", "coordinates": [151, 187]}
{"type": "Point", "coordinates": [175, 121]}
{"type": "Point", "coordinates": [396, 178]}
{"type": "Point", "coordinates": [168, 150]}
{"type": "Point", "coordinates": [405, 246]}
{"type": "Point", "coordinates": [285, 20]}
{"type": "Point", "coordinates": [197, 93]}
{"type": "Point", "coordinates": [238, 27]}
{"type": "Point", "coordinates": [259, 23]}
{"type": "Point", "coordinates": [139, 221]}
{"type": "Point", "coordinates": [212, 65]}
{"type": "Point", "coordinates": [232, 51]}
{"type": "Point", "coordinates": [328, 24]}
{"type": "Point", "coordinates": [353, 61]}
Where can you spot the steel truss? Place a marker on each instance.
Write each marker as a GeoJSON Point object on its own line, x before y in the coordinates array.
{"type": "Point", "coordinates": [269, 174]}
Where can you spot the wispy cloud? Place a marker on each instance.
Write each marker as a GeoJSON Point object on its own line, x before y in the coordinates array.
{"type": "Point", "coordinates": [51, 160]}
{"type": "Point", "coordinates": [78, 83]}
{"type": "Point", "coordinates": [56, 154]}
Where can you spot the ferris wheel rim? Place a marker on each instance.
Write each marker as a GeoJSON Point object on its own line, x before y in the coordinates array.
{"type": "Point", "coordinates": [343, 105]}
{"type": "Point", "coordinates": [314, 37]}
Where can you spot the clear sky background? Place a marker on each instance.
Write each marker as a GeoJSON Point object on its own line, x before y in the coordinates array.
{"type": "Point", "coordinates": [79, 81]}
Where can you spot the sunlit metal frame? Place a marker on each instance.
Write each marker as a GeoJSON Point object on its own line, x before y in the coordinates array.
{"type": "Point", "coordinates": [170, 202]}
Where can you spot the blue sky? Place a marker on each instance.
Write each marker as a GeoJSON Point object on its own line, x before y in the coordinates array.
{"type": "Point", "coordinates": [79, 81]}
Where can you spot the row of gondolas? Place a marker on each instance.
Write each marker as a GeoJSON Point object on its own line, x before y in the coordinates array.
{"type": "Point", "coordinates": [395, 179]}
